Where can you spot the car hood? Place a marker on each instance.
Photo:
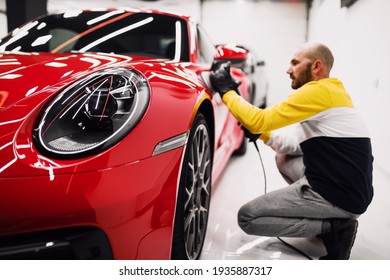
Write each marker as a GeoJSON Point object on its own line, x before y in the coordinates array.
{"type": "Point", "coordinates": [23, 75]}
{"type": "Point", "coordinates": [28, 81]}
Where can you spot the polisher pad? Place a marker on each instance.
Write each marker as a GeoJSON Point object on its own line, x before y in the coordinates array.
{"type": "Point", "coordinates": [205, 77]}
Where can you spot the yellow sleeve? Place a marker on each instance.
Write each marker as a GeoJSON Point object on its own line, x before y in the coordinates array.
{"type": "Point", "coordinates": [305, 102]}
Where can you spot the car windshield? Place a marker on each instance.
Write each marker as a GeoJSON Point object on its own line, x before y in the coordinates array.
{"type": "Point", "coordinates": [120, 32]}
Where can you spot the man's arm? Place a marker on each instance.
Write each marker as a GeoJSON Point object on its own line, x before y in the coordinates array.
{"type": "Point", "coordinates": [305, 102]}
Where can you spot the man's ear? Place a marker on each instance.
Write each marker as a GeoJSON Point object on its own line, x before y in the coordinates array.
{"type": "Point", "coordinates": [317, 66]}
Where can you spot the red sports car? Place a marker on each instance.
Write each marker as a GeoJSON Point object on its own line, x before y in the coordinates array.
{"type": "Point", "coordinates": [110, 140]}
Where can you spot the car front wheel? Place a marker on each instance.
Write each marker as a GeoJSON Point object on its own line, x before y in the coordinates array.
{"type": "Point", "coordinates": [193, 202]}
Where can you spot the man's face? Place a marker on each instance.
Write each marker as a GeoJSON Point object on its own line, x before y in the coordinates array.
{"type": "Point", "coordinates": [300, 70]}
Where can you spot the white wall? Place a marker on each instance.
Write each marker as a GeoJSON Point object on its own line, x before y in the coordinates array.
{"type": "Point", "coordinates": [360, 41]}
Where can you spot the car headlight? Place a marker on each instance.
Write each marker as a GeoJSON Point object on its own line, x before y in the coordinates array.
{"type": "Point", "coordinates": [92, 114]}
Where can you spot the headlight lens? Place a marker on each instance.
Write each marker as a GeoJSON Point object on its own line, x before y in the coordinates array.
{"type": "Point", "coordinates": [92, 114]}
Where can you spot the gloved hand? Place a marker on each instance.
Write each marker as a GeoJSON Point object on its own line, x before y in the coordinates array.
{"type": "Point", "coordinates": [252, 137]}
{"type": "Point", "coordinates": [222, 80]}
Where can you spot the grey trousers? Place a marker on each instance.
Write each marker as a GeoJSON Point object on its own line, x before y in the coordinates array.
{"type": "Point", "coordinates": [293, 211]}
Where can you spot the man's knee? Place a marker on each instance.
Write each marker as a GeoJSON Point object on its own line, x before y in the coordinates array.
{"type": "Point", "coordinates": [243, 217]}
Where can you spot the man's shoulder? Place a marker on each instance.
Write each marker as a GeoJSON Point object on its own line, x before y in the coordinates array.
{"type": "Point", "coordinates": [324, 81]}
{"type": "Point", "coordinates": [325, 84]}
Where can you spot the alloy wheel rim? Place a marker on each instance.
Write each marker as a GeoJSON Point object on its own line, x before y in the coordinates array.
{"type": "Point", "coordinates": [198, 184]}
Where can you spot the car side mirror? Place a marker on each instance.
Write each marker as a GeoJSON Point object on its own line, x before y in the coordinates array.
{"type": "Point", "coordinates": [238, 56]}
{"type": "Point", "coordinates": [230, 52]}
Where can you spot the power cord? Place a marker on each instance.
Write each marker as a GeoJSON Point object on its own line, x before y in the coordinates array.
{"type": "Point", "coordinates": [262, 165]}
{"type": "Point", "coordinates": [295, 249]}
{"type": "Point", "coordinates": [265, 191]}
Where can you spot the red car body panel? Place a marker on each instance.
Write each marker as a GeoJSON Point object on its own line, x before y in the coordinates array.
{"type": "Point", "coordinates": [124, 190]}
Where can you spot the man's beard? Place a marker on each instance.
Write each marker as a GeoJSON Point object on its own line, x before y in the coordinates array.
{"type": "Point", "coordinates": [303, 78]}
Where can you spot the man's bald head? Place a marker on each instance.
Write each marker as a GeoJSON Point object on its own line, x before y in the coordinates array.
{"type": "Point", "coordinates": [319, 51]}
{"type": "Point", "coordinates": [311, 62]}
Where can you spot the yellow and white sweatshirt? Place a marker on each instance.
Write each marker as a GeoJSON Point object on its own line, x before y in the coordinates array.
{"type": "Point", "coordinates": [331, 136]}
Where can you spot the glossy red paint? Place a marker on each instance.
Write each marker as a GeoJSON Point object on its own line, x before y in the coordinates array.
{"type": "Point", "coordinates": [231, 52]}
{"type": "Point", "coordinates": [125, 191]}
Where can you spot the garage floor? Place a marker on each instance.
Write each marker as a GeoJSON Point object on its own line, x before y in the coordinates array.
{"type": "Point", "coordinates": [243, 180]}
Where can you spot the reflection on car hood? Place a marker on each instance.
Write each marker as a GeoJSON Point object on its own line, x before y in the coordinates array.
{"type": "Point", "coordinates": [25, 74]}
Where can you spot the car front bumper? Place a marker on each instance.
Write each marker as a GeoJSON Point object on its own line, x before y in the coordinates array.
{"type": "Point", "coordinates": [130, 208]}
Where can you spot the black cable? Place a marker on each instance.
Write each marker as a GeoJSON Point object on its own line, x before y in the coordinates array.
{"type": "Point", "coordinates": [265, 191]}
{"type": "Point", "coordinates": [295, 249]}
{"type": "Point", "coordinates": [262, 165]}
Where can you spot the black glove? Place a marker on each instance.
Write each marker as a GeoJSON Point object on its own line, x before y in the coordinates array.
{"type": "Point", "coordinates": [221, 78]}
{"type": "Point", "coordinates": [252, 137]}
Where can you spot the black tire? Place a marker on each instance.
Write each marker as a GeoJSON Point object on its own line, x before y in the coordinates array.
{"type": "Point", "coordinates": [193, 202]}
